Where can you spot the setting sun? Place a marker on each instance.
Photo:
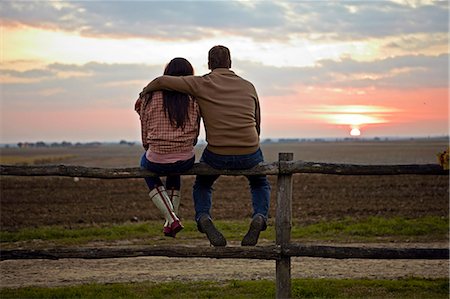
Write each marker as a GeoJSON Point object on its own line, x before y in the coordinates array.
{"type": "Point", "coordinates": [355, 132]}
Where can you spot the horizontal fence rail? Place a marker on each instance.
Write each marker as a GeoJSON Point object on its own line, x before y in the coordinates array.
{"type": "Point", "coordinates": [235, 252]}
{"type": "Point", "coordinates": [258, 252]}
{"type": "Point", "coordinates": [275, 168]}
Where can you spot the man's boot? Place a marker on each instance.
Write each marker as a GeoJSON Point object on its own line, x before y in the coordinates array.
{"type": "Point", "coordinates": [161, 200]}
{"type": "Point", "coordinates": [257, 225]}
{"type": "Point", "coordinates": [205, 225]}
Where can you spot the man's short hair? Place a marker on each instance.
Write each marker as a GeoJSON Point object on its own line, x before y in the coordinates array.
{"type": "Point", "coordinates": [219, 57]}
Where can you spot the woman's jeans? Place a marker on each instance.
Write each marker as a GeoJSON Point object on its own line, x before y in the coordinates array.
{"type": "Point", "coordinates": [259, 185]}
{"type": "Point", "coordinates": [172, 181]}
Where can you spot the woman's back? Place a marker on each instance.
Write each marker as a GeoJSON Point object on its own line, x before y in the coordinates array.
{"type": "Point", "coordinates": [160, 133]}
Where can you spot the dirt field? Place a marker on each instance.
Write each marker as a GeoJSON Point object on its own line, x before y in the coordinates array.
{"type": "Point", "coordinates": [36, 201]}
{"type": "Point", "coordinates": [53, 200]}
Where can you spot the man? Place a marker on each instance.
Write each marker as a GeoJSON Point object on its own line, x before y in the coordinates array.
{"type": "Point", "coordinates": [231, 114]}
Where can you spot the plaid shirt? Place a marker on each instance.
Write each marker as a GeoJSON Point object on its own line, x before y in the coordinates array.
{"type": "Point", "coordinates": [158, 134]}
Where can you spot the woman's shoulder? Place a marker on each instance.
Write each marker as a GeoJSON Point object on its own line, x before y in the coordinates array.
{"type": "Point", "coordinates": [193, 100]}
{"type": "Point", "coordinates": [155, 97]}
{"type": "Point", "coordinates": [157, 94]}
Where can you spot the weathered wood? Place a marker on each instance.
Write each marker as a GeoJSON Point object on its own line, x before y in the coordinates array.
{"type": "Point", "coordinates": [355, 169]}
{"type": "Point", "coordinates": [350, 252]}
{"type": "Point", "coordinates": [237, 252]}
{"type": "Point", "coordinates": [268, 252]}
{"type": "Point", "coordinates": [124, 173]}
{"type": "Point", "coordinates": [201, 168]}
{"type": "Point", "coordinates": [284, 202]}
{"type": "Point", "coordinates": [283, 278]}
{"type": "Point", "coordinates": [283, 224]}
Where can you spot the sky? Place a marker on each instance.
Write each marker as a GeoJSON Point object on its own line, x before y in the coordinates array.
{"type": "Point", "coordinates": [72, 70]}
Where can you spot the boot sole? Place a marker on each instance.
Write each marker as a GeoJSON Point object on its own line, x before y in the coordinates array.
{"type": "Point", "coordinates": [214, 236]}
{"type": "Point", "coordinates": [252, 236]}
{"type": "Point", "coordinates": [173, 231]}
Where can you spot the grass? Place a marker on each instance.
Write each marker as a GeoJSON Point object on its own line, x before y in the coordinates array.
{"type": "Point", "coordinates": [372, 229]}
{"type": "Point", "coordinates": [301, 288]}
{"type": "Point", "coordinates": [33, 160]}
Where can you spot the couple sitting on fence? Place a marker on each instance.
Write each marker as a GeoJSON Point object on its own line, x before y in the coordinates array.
{"type": "Point", "coordinates": [170, 107]}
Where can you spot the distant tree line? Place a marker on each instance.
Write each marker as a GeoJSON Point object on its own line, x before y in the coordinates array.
{"type": "Point", "coordinates": [56, 144]}
{"type": "Point", "coordinates": [42, 144]}
{"type": "Point", "coordinates": [124, 142]}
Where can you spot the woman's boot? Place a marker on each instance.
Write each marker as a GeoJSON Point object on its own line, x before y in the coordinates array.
{"type": "Point", "coordinates": [174, 196]}
{"type": "Point", "coordinates": [161, 200]}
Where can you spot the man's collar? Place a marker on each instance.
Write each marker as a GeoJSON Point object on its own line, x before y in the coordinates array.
{"type": "Point", "coordinates": [220, 70]}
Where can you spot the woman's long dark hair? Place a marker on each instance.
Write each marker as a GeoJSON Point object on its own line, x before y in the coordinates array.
{"type": "Point", "coordinates": [176, 104]}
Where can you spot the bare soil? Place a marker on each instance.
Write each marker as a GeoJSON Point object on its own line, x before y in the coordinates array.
{"type": "Point", "coordinates": [37, 201]}
{"type": "Point", "coordinates": [48, 273]}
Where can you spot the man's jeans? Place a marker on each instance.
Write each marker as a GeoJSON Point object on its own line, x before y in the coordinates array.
{"type": "Point", "coordinates": [172, 181]}
{"type": "Point", "coordinates": [259, 185]}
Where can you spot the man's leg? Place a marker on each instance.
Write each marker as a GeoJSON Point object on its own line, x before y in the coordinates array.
{"type": "Point", "coordinates": [260, 189]}
{"type": "Point", "coordinates": [202, 194]}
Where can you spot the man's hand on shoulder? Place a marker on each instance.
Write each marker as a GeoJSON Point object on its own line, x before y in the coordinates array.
{"type": "Point", "coordinates": [152, 86]}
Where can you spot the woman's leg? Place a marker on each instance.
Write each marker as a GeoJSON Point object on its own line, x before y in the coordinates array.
{"type": "Point", "coordinates": [152, 182]}
{"type": "Point", "coordinates": [173, 182]}
{"type": "Point", "coordinates": [173, 185]}
{"type": "Point", "coordinates": [161, 200]}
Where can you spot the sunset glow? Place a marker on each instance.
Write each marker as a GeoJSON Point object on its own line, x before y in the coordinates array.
{"type": "Point", "coordinates": [354, 116]}
{"type": "Point", "coordinates": [355, 132]}
{"type": "Point", "coordinates": [321, 68]}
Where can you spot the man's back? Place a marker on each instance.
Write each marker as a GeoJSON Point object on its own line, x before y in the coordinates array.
{"type": "Point", "coordinates": [230, 111]}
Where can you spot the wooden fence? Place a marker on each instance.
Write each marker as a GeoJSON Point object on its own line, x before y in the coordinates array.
{"type": "Point", "coordinates": [283, 249]}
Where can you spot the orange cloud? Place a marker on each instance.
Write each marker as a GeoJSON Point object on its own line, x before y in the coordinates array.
{"type": "Point", "coordinates": [353, 115]}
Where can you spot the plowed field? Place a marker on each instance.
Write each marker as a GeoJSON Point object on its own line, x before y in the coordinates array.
{"type": "Point", "coordinates": [35, 201]}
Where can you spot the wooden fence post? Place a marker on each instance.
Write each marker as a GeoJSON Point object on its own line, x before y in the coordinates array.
{"type": "Point", "coordinates": [283, 225]}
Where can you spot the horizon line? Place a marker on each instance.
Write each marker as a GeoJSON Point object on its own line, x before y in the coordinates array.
{"type": "Point", "coordinates": [262, 140]}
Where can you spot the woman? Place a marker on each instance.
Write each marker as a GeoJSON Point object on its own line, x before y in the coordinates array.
{"type": "Point", "coordinates": [170, 126]}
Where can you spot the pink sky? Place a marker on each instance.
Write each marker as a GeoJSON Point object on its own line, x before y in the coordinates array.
{"type": "Point", "coordinates": [72, 70]}
{"type": "Point", "coordinates": [402, 112]}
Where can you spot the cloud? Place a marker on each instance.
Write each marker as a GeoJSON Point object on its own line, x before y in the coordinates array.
{"type": "Point", "coordinates": [411, 71]}
{"type": "Point", "coordinates": [28, 74]}
{"type": "Point", "coordinates": [419, 42]}
{"type": "Point", "coordinates": [361, 20]}
{"type": "Point", "coordinates": [260, 20]}
{"type": "Point", "coordinates": [91, 84]}
{"type": "Point", "coordinates": [149, 19]}
{"type": "Point", "coordinates": [68, 86]}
